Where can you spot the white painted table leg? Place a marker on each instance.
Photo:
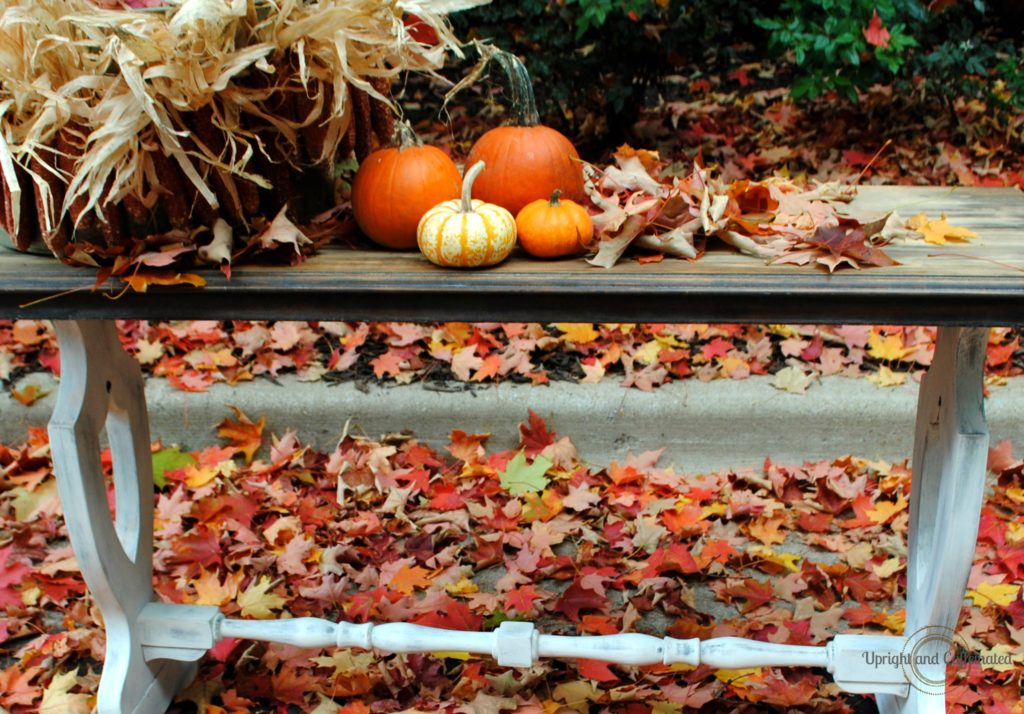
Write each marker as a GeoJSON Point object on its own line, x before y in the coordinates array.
{"type": "Point", "coordinates": [950, 452]}
{"type": "Point", "coordinates": [102, 385]}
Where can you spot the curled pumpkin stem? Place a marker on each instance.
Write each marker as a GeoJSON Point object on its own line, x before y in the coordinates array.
{"type": "Point", "coordinates": [555, 195]}
{"type": "Point", "coordinates": [467, 186]}
{"type": "Point", "coordinates": [404, 137]}
{"type": "Point", "coordinates": [524, 103]}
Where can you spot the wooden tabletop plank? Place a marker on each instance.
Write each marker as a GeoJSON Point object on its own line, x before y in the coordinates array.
{"type": "Point", "coordinates": [981, 282]}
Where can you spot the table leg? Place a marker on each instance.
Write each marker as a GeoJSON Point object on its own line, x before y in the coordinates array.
{"type": "Point", "coordinates": [950, 454]}
{"type": "Point", "coordinates": [102, 386]}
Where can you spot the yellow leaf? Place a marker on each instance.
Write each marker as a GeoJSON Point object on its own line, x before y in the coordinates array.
{"type": "Point", "coordinates": [786, 560]}
{"type": "Point", "coordinates": [887, 567]}
{"type": "Point", "coordinates": [578, 332]}
{"type": "Point", "coordinates": [1001, 595]}
{"type": "Point", "coordinates": [714, 509]}
{"type": "Point", "coordinates": [257, 603]}
{"type": "Point", "coordinates": [210, 590]}
{"type": "Point", "coordinates": [465, 586]}
{"type": "Point", "coordinates": [889, 348]}
{"type": "Point", "coordinates": [1001, 658]}
{"type": "Point", "coordinates": [939, 232]}
{"type": "Point", "coordinates": [885, 377]}
{"type": "Point", "coordinates": [737, 677]}
{"type": "Point", "coordinates": [196, 477]}
{"type": "Point", "coordinates": [1015, 532]}
{"type": "Point", "coordinates": [58, 699]}
{"type": "Point", "coordinates": [345, 662]}
{"type": "Point", "coordinates": [884, 510]}
{"type": "Point", "coordinates": [29, 505]}
{"type": "Point", "coordinates": [577, 695]}
{"type": "Point", "coordinates": [452, 655]}
{"type": "Point", "coordinates": [648, 354]}
{"type": "Point", "coordinates": [895, 622]}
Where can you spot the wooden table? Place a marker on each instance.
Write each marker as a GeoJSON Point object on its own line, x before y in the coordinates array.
{"type": "Point", "coordinates": [152, 647]}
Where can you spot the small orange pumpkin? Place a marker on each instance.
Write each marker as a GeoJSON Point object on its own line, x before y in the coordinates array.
{"type": "Point", "coordinates": [394, 187]}
{"type": "Point", "coordinates": [553, 228]}
{"type": "Point", "coordinates": [526, 161]}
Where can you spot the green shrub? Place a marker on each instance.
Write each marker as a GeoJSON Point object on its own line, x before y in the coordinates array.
{"type": "Point", "coordinates": [828, 42]}
{"type": "Point", "coordinates": [596, 63]}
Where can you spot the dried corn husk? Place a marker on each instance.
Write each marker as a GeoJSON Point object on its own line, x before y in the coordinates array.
{"type": "Point", "coordinates": [221, 99]}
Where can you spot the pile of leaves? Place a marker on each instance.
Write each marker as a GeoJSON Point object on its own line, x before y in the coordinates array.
{"type": "Point", "coordinates": [463, 537]}
{"type": "Point", "coordinates": [195, 355]}
{"type": "Point", "coordinates": [776, 219]}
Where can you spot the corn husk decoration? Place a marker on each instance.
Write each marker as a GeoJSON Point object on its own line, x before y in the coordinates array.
{"type": "Point", "coordinates": [122, 129]}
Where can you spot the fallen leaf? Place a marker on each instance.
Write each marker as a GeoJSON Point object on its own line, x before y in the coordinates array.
{"type": "Point", "coordinates": [518, 478]}
{"type": "Point", "coordinates": [29, 395]}
{"type": "Point", "coordinates": [1001, 595]}
{"type": "Point", "coordinates": [140, 282]}
{"type": "Point", "coordinates": [792, 379]}
{"type": "Point", "coordinates": [242, 433]}
{"type": "Point", "coordinates": [939, 232]}
{"type": "Point", "coordinates": [257, 602]}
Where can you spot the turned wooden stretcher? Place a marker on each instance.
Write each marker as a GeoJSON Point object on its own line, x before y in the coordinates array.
{"type": "Point", "coordinates": [152, 647]}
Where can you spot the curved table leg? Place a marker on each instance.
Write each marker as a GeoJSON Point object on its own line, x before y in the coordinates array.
{"type": "Point", "coordinates": [102, 386]}
{"type": "Point", "coordinates": [950, 453]}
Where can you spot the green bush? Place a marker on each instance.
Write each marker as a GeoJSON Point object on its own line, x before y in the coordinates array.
{"type": "Point", "coordinates": [596, 63]}
{"type": "Point", "coordinates": [828, 42]}
{"type": "Point", "coordinates": [951, 52]}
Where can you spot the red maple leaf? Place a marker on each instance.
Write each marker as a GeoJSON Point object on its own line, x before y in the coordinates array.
{"type": "Point", "coordinates": [875, 33]}
{"type": "Point", "coordinates": [849, 240]}
{"type": "Point", "coordinates": [522, 598]}
{"type": "Point", "coordinates": [597, 670]}
{"type": "Point", "coordinates": [11, 573]}
{"type": "Point", "coordinates": [716, 348]}
{"type": "Point", "coordinates": [455, 615]}
{"type": "Point", "coordinates": [535, 436]}
{"type": "Point", "coordinates": [576, 598]}
{"type": "Point", "coordinates": [753, 591]}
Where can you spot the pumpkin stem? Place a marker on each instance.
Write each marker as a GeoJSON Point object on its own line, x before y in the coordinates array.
{"type": "Point", "coordinates": [524, 103]}
{"type": "Point", "coordinates": [554, 197]}
{"type": "Point", "coordinates": [467, 186]}
{"type": "Point", "coordinates": [404, 137]}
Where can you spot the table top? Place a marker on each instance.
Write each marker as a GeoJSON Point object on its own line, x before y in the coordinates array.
{"type": "Point", "coordinates": [978, 283]}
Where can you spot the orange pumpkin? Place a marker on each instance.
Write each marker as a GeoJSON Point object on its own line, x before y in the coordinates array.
{"type": "Point", "coordinates": [525, 161]}
{"type": "Point", "coordinates": [553, 228]}
{"type": "Point", "coordinates": [394, 187]}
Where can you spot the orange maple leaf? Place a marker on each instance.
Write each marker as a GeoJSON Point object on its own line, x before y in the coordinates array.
{"type": "Point", "coordinates": [140, 282]}
{"type": "Point", "coordinates": [408, 578]}
{"type": "Point", "coordinates": [242, 433]}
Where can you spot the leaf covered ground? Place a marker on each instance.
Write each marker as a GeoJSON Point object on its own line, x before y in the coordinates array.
{"type": "Point", "coordinates": [460, 536]}
{"type": "Point", "coordinates": [195, 355]}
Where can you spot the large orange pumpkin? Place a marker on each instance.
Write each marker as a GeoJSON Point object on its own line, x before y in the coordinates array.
{"type": "Point", "coordinates": [394, 187]}
{"type": "Point", "coordinates": [526, 161]}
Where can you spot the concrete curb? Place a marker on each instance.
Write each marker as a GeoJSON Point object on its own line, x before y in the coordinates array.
{"type": "Point", "coordinates": [702, 426]}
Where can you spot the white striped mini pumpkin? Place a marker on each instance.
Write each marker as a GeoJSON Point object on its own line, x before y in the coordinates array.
{"type": "Point", "coordinates": [466, 233]}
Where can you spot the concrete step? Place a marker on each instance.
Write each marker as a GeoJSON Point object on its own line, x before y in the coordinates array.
{"type": "Point", "coordinates": [702, 426]}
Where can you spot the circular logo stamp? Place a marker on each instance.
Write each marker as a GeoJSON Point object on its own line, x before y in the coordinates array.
{"type": "Point", "coordinates": [930, 653]}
